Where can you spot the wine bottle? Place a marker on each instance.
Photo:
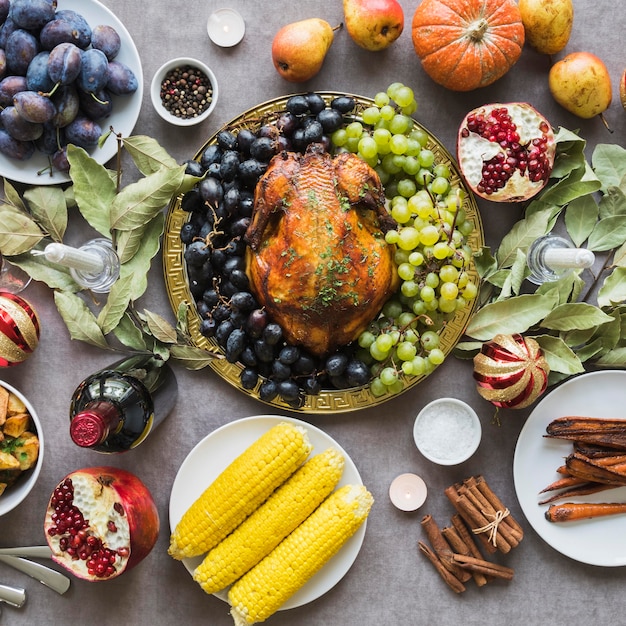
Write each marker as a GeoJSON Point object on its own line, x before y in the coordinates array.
{"type": "Point", "coordinates": [115, 409]}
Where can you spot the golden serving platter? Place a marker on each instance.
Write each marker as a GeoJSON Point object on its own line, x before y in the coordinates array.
{"type": "Point", "coordinates": [328, 400]}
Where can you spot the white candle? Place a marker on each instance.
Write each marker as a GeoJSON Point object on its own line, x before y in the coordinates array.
{"type": "Point", "coordinates": [226, 27]}
{"type": "Point", "coordinates": [558, 258]}
{"type": "Point", "coordinates": [73, 258]}
{"type": "Point", "coordinates": [407, 492]}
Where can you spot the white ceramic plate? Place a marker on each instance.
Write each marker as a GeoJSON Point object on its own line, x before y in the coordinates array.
{"type": "Point", "coordinates": [125, 108]}
{"type": "Point", "coordinates": [216, 451]}
{"type": "Point", "coordinates": [594, 541]}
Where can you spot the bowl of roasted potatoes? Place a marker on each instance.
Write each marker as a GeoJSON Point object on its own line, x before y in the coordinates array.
{"type": "Point", "coordinates": [21, 447]}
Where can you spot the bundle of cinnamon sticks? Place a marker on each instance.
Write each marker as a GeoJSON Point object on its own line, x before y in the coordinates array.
{"type": "Point", "coordinates": [453, 550]}
{"type": "Point", "coordinates": [597, 463]}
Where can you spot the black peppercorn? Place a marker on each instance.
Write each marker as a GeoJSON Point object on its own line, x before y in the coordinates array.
{"type": "Point", "coordinates": [186, 92]}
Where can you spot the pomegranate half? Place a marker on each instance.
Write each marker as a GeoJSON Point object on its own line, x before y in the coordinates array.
{"type": "Point", "coordinates": [506, 151]}
{"type": "Point", "coordinates": [100, 522]}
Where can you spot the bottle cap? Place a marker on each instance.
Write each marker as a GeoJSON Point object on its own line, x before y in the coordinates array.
{"type": "Point", "coordinates": [92, 426]}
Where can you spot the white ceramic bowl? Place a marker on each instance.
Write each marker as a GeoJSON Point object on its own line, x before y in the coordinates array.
{"type": "Point", "coordinates": [16, 493]}
{"type": "Point", "coordinates": [447, 431]}
{"type": "Point", "coordinates": [155, 91]}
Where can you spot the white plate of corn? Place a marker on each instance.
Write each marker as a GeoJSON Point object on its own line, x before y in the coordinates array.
{"type": "Point", "coordinates": [222, 449]}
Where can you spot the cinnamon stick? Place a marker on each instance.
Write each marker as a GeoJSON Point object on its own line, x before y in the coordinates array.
{"type": "Point", "coordinates": [509, 520]}
{"type": "Point", "coordinates": [452, 581]}
{"type": "Point", "coordinates": [442, 548]}
{"type": "Point", "coordinates": [475, 519]}
{"type": "Point", "coordinates": [460, 547]}
{"type": "Point", "coordinates": [485, 567]}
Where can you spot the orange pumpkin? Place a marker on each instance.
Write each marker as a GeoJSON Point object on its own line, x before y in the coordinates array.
{"type": "Point", "coordinates": [466, 44]}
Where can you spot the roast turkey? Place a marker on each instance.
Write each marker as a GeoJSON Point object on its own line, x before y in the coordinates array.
{"type": "Point", "coordinates": [317, 257]}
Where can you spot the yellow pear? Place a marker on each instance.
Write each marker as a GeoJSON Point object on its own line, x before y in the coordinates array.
{"type": "Point", "coordinates": [547, 23]}
{"type": "Point", "coordinates": [299, 48]}
{"type": "Point", "coordinates": [580, 83]}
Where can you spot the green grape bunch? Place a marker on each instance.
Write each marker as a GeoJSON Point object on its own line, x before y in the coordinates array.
{"type": "Point", "coordinates": [432, 254]}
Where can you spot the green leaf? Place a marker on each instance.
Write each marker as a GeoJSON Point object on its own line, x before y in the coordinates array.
{"type": "Point", "coordinates": [129, 335]}
{"type": "Point", "coordinates": [523, 233]}
{"type": "Point", "coordinates": [566, 163]}
{"type": "Point", "coordinates": [515, 315]}
{"type": "Point", "coordinates": [609, 233]}
{"type": "Point", "coordinates": [12, 197]}
{"type": "Point", "coordinates": [140, 202]}
{"type": "Point", "coordinates": [94, 190]}
{"type": "Point", "coordinates": [47, 205]}
{"type": "Point", "coordinates": [575, 316]}
{"type": "Point", "coordinates": [609, 163]}
{"type": "Point", "coordinates": [53, 275]}
{"type": "Point", "coordinates": [148, 155]}
{"type": "Point", "coordinates": [560, 357]}
{"type": "Point", "coordinates": [619, 258]}
{"type": "Point", "coordinates": [160, 328]}
{"type": "Point", "coordinates": [613, 202]}
{"type": "Point", "coordinates": [613, 358]}
{"type": "Point", "coordinates": [581, 216]}
{"type": "Point", "coordinates": [578, 183]}
{"type": "Point", "coordinates": [128, 242]}
{"type": "Point", "coordinates": [18, 232]}
{"type": "Point", "coordinates": [613, 289]}
{"type": "Point", "coordinates": [116, 304]}
{"type": "Point", "coordinates": [484, 262]}
{"type": "Point", "coordinates": [139, 265]}
{"type": "Point", "coordinates": [590, 350]}
{"type": "Point", "coordinates": [569, 141]}
{"type": "Point", "coordinates": [577, 338]}
{"type": "Point", "coordinates": [80, 321]}
{"type": "Point", "coordinates": [191, 357]}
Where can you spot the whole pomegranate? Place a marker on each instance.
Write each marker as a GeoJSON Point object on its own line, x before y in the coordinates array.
{"type": "Point", "coordinates": [506, 151]}
{"type": "Point", "coordinates": [100, 522]}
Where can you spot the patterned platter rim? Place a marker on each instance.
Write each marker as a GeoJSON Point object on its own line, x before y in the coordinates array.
{"type": "Point", "coordinates": [177, 285]}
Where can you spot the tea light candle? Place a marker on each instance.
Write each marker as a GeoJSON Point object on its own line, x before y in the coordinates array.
{"type": "Point", "coordinates": [551, 256]}
{"type": "Point", "coordinates": [226, 27]}
{"type": "Point", "coordinates": [407, 492]}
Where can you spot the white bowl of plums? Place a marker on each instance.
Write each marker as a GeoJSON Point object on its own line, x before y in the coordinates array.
{"type": "Point", "coordinates": [21, 447]}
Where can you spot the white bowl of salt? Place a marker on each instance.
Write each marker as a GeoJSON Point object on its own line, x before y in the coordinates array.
{"type": "Point", "coordinates": [447, 431]}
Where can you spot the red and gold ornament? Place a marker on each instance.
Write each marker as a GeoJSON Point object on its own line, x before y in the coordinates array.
{"type": "Point", "coordinates": [19, 329]}
{"type": "Point", "coordinates": [511, 371]}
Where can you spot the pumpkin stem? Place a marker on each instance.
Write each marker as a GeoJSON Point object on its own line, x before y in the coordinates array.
{"type": "Point", "coordinates": [477, 29]}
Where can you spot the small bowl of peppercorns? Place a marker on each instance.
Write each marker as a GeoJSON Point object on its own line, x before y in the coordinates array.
{"type": "Point", "coordinates": [184, 91]}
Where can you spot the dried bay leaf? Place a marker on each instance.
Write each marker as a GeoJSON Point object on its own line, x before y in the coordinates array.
{"type": "Point", "coordinates": [608, 233]}
{"type": "Point", "coordinates": [515, 315]}
{"type": "Point", "coordinates": [192, 357]}
{"type": "Point", "coordinates": [581, 216]}
{"type": "Point", "coordinates": [613, 358]}
{"type": "Point", "coordinates": [128, 334]}
{"type": "Point", "coordinates": [148, 155]}
{"type": "Point", "coordinates": [116, 304]}
{"type": "Point", "coordinates": [609, 163]}
{"type": "Point", "coordinates": [18, 231]}
{"type": "Point", "coordinates": [80, 321]}
{"type": "Point", "coordinates": [141, 201]}
{"type": "Point", "coordinates": [575, 316]}
{"type": "Point", "coordinates": [560, 357]}
{"type": "Point", "coordinates": [53, 275]}
{"type": "Point", "coordinates": [47, 205]}
{"type": "Point", "coordinates": [94, 189]}
{"type": "Point", "coordinates": [613, 289]}
{"type": "Point", "coordinates": [160, 328]}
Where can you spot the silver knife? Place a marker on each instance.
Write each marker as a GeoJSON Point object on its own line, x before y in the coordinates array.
{"type": "Point", "coordinates": [45, 575]}
{"type": "Point", "coordinates": [15, 596]}
{"type": "Point", "coordinates": [33, 552]}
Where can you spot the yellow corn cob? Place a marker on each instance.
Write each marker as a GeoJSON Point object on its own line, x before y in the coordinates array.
{"type": "Point", "coordinates": [240, 489]}
{"type": "Point", "coordinates": [260, 533]}
{"type": "Point", "coordinates": [269, 584]}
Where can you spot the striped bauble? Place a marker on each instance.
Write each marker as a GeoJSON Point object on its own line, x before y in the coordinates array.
{"type": "Point", "coordinates": [19, 329]}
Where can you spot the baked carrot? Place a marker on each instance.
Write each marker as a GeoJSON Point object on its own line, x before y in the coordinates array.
{"type": "Point", "coordinates": [583, 489]}
{"type": "Point", "coordinates": [575, 511]}
{"type": "Point", "coordinates": [601, 431]}
{"type": "Point", "coordinates": [583, 467]}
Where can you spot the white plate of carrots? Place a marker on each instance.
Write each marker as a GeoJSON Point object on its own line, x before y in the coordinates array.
{"type": "Point", "coordinates": [218, 449]}
{"type": "Point", "coordinates": [595, 540]}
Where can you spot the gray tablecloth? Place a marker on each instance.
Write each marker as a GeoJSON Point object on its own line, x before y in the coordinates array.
{"type": "Point", "coordinates": [389, 583]}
